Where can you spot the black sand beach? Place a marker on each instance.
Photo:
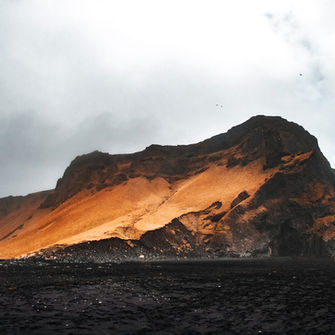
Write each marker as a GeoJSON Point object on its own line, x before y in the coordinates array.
{"type": "Point", "coordinates": [202, 297]}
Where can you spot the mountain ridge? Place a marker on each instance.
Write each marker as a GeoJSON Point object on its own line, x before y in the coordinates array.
{"type": "Point", "coordinates": [208, 146]}
{"type": "Point", "coordinates": [272, 186]}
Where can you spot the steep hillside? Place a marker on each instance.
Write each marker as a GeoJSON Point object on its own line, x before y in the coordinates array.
{"type": "Point", "coordinates": [262, 188]}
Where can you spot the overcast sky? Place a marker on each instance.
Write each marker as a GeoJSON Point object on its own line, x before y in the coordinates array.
{"type": "Point", "coordinates": [117, 76]}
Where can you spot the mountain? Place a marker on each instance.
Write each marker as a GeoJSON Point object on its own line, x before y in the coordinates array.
{"type": "Point", "coordinates": [262, 189]}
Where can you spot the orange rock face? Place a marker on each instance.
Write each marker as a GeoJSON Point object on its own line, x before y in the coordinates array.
{"type": "Point", "coordinates": [263, 188]}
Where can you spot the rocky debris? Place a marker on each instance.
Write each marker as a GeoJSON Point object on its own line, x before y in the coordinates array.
{"type": "Point", "coordinates": [170, 241]}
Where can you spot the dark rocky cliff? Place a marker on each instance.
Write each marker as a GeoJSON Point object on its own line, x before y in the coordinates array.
{"type": "Point", "coordinates": [269, 137]}
{"type": "Point", "coordinates": [291, 214]}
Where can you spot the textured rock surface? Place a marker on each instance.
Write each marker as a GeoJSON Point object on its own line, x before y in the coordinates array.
{"type": "Point", "coordinates": [261, 189]}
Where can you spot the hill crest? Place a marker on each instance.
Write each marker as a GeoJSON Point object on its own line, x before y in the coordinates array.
{"type": "Point", "coordinates": [262, 188]}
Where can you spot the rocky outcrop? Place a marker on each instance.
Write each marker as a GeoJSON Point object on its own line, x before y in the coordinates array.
{"type": "Point", "coordinates": [262, 189]}
{"type": "Point", "coordinates": [242, 196]}
{"type": "Point", "coordinates": [268, 137]}
{"type": "Point", "coordinates": [168, 242]}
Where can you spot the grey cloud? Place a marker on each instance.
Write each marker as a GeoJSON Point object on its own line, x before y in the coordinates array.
{"type": "Point", "coordinates": [287, 25]}
{"type": "Point", "coordinates": [62, 94]}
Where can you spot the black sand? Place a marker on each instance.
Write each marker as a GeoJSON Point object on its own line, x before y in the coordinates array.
{"type": "Point", "coordinates": [217, 297]}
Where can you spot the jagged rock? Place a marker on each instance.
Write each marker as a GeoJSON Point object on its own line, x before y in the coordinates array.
{"type": "Point", "coordinates": [242, 196]}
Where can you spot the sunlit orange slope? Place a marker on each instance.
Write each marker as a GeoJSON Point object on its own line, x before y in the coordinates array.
{"type": "Point", "coordinates": [253, 172]}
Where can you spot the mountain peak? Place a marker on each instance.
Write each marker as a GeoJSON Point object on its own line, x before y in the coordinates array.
{"type": "Point", "coordinates": [262, 188]}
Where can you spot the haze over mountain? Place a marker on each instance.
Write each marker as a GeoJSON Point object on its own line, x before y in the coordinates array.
{"type": "Point", "coordinates": [263, 188]}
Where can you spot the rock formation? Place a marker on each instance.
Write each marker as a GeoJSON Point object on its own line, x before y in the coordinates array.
{"type": "Point", "coordinates": [262, 189]}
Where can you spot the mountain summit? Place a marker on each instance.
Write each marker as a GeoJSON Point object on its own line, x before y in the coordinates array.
{"type": "Point", "coordinates": [262, 189]}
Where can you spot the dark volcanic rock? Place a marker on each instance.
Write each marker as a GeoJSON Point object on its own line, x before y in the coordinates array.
{"type": "Point", "coordinates": [170, 241]}
{"type": "Point", "coordinates": [271, 137]}
{"type": "Point", "coordinates": [293, 199]}
{"type": "Point", "coordinates": [242, 196]}
{"type": "Point", "coordinates": [268, 296]}
{"type": "Point", "coordinates": [290, 211]}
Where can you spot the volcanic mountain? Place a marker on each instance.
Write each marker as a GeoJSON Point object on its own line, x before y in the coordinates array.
{"type": "Point", "coordinates": [262, 189]}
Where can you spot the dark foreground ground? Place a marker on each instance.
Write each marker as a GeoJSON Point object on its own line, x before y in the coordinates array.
{"type": "Point", "coordinates": [216, 297]}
